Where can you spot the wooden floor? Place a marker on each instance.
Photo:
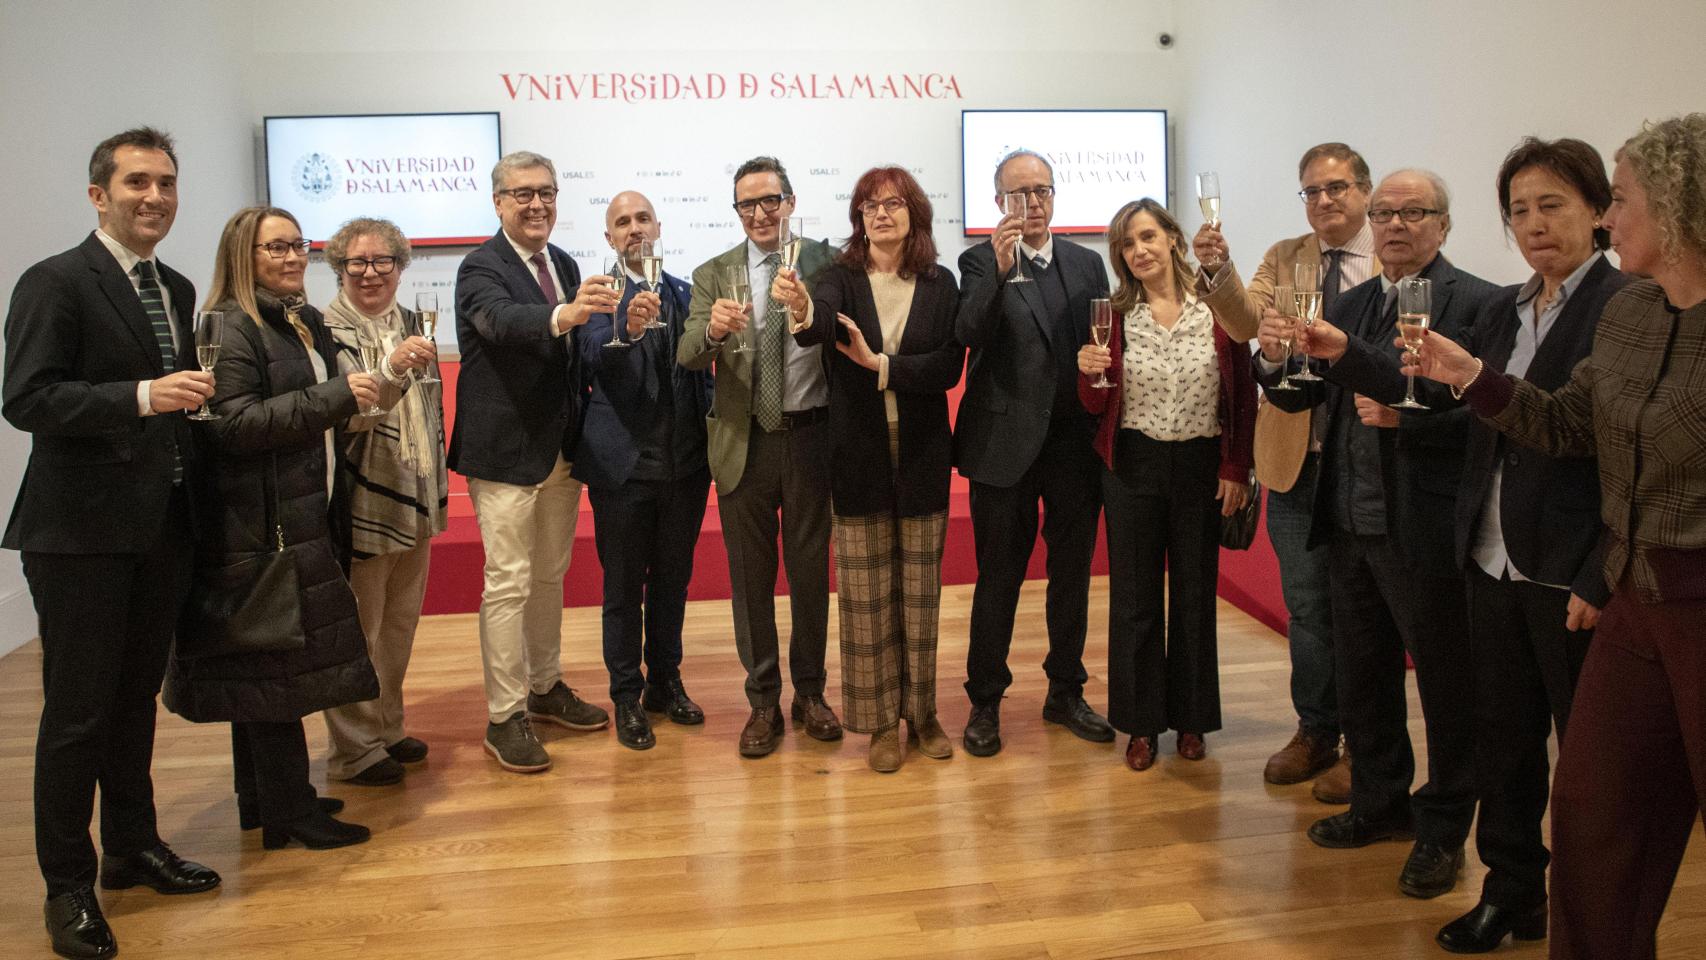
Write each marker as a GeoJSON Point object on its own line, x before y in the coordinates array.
{"type": "Point", "coordinates": [1052, 849]}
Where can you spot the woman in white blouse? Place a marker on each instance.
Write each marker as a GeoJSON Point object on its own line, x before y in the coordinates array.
{"type": "Point", "coordinates": [1174, 431]}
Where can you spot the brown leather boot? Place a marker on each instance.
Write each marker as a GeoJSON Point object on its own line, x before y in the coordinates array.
{"type": "Point", "coordinates": [930, 739]}
{"type": "Point", "coordinates": [886, 752]}
{"type": "Point", "coordinates": [1302, 758]}
{"type": "Point", "coordinates": [1334, 786]}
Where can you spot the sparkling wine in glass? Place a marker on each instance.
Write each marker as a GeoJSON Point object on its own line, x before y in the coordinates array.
{"type": "Point", "coordinates": [740, 291]}
{"type": "Point", "coordinates": [1415, 308]}
{"type": "Point", "coordinates": [426, 308]}
{"type": "Point", "coordinates": [1285, 302]}
{"type": "Point", "coordinates": [209, 328]}
{"type": "Point", "coordinates": [651, 268]}
{"type": "Point", "coordinates": [789, 235]}
{"type": "Point", "coordinates": [372, 352]}
{"type": "Point", "coordinates": [1208, 197]}
{"type": "Point", "coordinates": [1101, 327]}
{"type": "Point", "coordinates": [1306, 300]}
{"type": "Point", "coordinates": [1017, 205]}
{"type": "Point", "coordinates": [617, 270]}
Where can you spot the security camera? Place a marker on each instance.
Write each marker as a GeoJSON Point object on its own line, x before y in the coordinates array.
{"type": "Point", "coordinates": [1164, 41]}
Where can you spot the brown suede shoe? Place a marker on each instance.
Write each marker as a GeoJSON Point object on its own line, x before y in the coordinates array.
{"type": "Point", "coordinates": [1334, 786]}
{"type": "Point", "coordinates": [816, 717]}
{"type": "Point", "coordinates": [1302, 758]}
{"type": "Point", "coordinates": [1140, 753]}
{"type": "Point", "coordinates": [886, 751]}
{"type": "Point", "coordinates": [763, 731]}
{"type": "Point", "coordinates": [930, 739]}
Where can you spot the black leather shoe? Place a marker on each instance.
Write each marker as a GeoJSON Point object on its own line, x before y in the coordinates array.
{"type": "Point", "coordinates": [158, 868]}
{"type": "Point", "coordinates": [317, 831]}
{"type": "Point", "coordinates": [382, 773]}
{"type": "Point", "coordinates": [1343, 831]}
{"type": "Point", "coordinates": [983, 730]}
{"type": "Point", "coordinates": [671, 698]}
{"type": "Point", "coordinates": [408, 750]}
{"type": "Point", "coordinates": [762, 733]}
{"type": "Point", "coordinates": [75, 923]}
{"type": "Point", "coordinates": [1075, 715]}
{"type": "Point", "coordinates": [633, 730]}
{"type": "Point", "coordinates": [248, 819]}
{"type": "Point", "coordinates": [1430, 871]}
{"type": "Point", "coordinates": [1482, 929]}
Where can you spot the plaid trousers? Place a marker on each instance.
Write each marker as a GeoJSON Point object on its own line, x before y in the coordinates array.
{"type": "Point", "coordinates": [889, 582]}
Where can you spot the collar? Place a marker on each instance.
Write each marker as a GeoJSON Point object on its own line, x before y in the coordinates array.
{"type": "Point", "coordinates": [755, 255]}
{"type": "Point", "coordinates": [1046, 251]}
{"type": "Point", "coordinates": [525, 255]}
{"type": "Point", "coordinates": [126, 257]}
{"type": "Point", "coordinates": [1359, 245]}
{"type": "Point", "coordinates": [1531, 289]}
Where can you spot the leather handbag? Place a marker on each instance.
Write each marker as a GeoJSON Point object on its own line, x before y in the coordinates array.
{"type": "Point", "coordinates": [1238, 531]}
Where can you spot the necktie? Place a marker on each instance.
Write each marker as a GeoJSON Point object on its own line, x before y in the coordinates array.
{"type": "Point", "coordinates": [544, 274]}
{"type": "Point", "coordinates": [154, 304]}
{"type": "Point", "coordinates": [767, 405]}
{"type": "Point", "coordinates": [1039, 263]}
{"type": "Point", "coordinates": [1331, 280]}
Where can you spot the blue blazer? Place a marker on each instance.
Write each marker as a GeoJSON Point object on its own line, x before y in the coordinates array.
{"type": "Point", "coordinates": [517, 395]}
{"type": "Point", "coordinates": [622, 388]}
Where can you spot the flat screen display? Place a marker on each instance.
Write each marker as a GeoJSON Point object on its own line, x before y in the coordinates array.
{"type": "Point", "coordinates": [430, 173]}
{"type": "Point", "coordinates": [1102, 159]}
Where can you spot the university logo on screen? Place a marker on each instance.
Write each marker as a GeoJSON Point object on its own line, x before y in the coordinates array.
{"type": "Point", "coordinates": [319, 176]}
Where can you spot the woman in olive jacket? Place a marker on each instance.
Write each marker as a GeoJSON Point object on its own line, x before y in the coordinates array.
{"type": "Point", "coordinates": [278, 400]}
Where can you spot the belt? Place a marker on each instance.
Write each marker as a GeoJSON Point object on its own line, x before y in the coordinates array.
{"type": "Point", "coordinates": [795, 419]}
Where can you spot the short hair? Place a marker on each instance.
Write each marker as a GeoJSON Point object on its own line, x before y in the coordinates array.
{"type": "Point", "coordinates": [918, 253]}
{"type": "Point", "coordinates": [1334, 150]}
{"type": "Point", "coordinates": [1129, 291]}
{"type": "Point", "coordinates": [1573, 161]}
{"type": "Point", "coordinates": [1442, 193]}
{"type": "Point", "coordinates": [764, 165]}
{"type": "Point", "coordinates": [337, 248]}
{"type": "Point", "coordinates": [1668, 159]}
{"type": "Point", "coordinates": [1016, 154]}
{"type": "Point", "coordinates": [102, 163]}
{"type": "Point", "coordinates": [520, 160]}
{"type": "Point", "coordinates": [234, 262]}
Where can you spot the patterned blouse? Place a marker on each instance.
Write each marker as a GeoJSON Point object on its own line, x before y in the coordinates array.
{"type": "Point", "coordinates": [1171, 378]}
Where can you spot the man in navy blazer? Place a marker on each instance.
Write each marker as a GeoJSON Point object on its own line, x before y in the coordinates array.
{"type": "Point", "coordinates": [642, 457]}
{"type": "Point", "coordinates": [517, 415]}
{"type": "Point", "coordinates": [1384, 501]}
{"type": "Point", "coordinates": [99, 370]}
{"type": "Point", "coordinates": [1021, 436]}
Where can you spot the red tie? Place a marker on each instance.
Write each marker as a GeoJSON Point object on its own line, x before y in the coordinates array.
{"type": "Point", "coordinates": [544, 274]}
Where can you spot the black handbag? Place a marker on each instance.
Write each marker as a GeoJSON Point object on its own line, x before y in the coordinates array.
{"type": "Point", "coordinates": [1238, 531]}
{"type": "Point", "coordinates": [251, 604]}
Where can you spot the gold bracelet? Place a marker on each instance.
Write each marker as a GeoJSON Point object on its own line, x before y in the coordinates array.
{"type": "Point", "coordinates": [1457, 392]}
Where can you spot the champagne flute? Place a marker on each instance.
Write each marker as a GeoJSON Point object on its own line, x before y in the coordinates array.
{"type": "Point", "coordinates": [209, 328]}
{"type": "Point", "coordinates": [1208, 197]}
{"type": "Point", "coordinates": [1017, 205]}
{"type": "Point", "coordinates": [740, 291]}
{"type": "Point", "coordinates": [1101, 328]}
{"type": "Point", "coordinates": [372, 354]}
{"type": "Point", "coordinates": [1415, 309]}
{"type": "Point", "coordinates": [789, 230]}
{"type": "Point", "coordinates": [651, 268]}
{"type": "Point", "coordinates": [1306, 298]}
{"type": "Point", "coordinates": [1284, 302]}
{"type": "Point", "coordinates": [426, 308]}
{"type": "Point", "coordinates": [617, 269]}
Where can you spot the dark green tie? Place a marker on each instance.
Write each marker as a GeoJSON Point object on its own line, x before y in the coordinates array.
{"type": "Point", "coordinates": [154, 304]}
{"type": "Point", "coordinates": [768, 408]}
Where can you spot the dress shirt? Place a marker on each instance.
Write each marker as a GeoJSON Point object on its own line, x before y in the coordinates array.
{"type": "Point", "coordinates": [1171, 376]}
{"type": "Point", "coordinates": [526, 255]}
{"type": "Point", "coordinates": [1046, 251]}
{"type": "Point", "coordinates": [1531, 329]}
{"type": "Point", "coordinates": [804, 386]}
{"type": "Point", "coordinates": [127, 261]}
{"type": "Point", "coordinates": [1357, 263]}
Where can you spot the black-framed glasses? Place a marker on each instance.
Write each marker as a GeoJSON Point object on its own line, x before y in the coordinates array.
{"type": "Point", "coordinates": [1333, 190]}
{"type": "Point", "coordinates": [892, 205]}
{"type": "Point", "coordinates": [1034, 193]}
{"type": "Point", "coordinates": [1406, 214]}
{"type": "Point", "coordinates": [356, 266]}
{"type": "Point", "coordinates": [279, 249]}
{"type": "Point", "coordinates": [771, 204]}
{"type": "Point", "coordinates": [525, 195]}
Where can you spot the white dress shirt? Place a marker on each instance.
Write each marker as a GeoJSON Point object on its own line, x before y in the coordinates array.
{"type": "Point", "coordinates": [558, 315]}
{"type": "Point", "coordinates": [127, 261]}
{"type": "Point", "coordinates": [1170, 377]}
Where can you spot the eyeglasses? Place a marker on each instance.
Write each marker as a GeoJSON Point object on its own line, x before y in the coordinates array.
{"type": "Point", "coordinates": [356, 266]}
{"type": "Point", "coordinates": [525, 195]}
{"type": "Point", "coordinates": [1406, 214]}
{"type": "Point", "coordinates": [1333, 190]}
{"type": "Point", "coordinates": [771, 204]}
{"type": "Point", "coordinates": [1035, 193]}
{"type": "Point", "coordinates": [279, 249]}
{"type": "Point", "coordinates": [892, 205]}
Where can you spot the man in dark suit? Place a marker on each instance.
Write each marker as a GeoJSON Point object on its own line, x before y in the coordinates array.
{"type": "Point", "coordinates": [517, 414]}
{"type": "Point", "coordinates": [99, 369]}
{"type": "Point", "coordinates": [768, 447]}
{"type": "Point", "coordinates": [1383, 503]}
{"type": "Point", "coordinates": [1022, 435]}
{"type": "Point", "coordinates": [642, 457]}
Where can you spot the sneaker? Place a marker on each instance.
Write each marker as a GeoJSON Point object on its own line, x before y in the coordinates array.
{"type": "Point", "coordinates": [560, 706]}
{"type": "Point", "coordinates": [514, 746]}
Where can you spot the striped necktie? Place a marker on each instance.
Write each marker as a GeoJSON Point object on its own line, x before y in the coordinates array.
{"type": "Point", "coordinates": [154, 304]}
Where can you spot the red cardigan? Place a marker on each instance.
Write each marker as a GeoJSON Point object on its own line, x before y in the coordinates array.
{"type": "Point", "coordinates": [1237, 402]}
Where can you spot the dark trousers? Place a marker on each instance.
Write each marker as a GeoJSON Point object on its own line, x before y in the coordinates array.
{"type": "Point", "coordinates": [1631, 772]}
{"type": "Point", "coordinates": [786, 471]}
{"type": "Point", "coordinates": [1382, 609]}
{"type": "Point", "coordinates": [1066, 477]}
{"type": "Point", "coordinates": [645, 531]}
{"type": "Point", "coordinates": [1305, 586]}
{"type": "Point", "coordinates": [1526, 665]}
{"type": "Point", "coordinates": [269, 765]}
{"type": "Point", "coordinates": [1163, 532]}
{"type": "Point", "coordinates": [106, 625]}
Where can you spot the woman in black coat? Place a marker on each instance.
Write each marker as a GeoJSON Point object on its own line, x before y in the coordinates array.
{"type": "Point", "coordinates": [889, 310]}
{"type": "Point", "coordinates": [278, 401]}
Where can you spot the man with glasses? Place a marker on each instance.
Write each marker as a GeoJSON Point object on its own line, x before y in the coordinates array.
{"type": "Point", "coordinates": [1335, 185]}
{"type": "Point", "coordinates": [1384, 505]}
{"type": "Point", "coordinates": [1022, 435]}
{"type": "Point", "coordinates": [100, 368]}
{"type": "Point", "coordinates": [517, 415]}
{"type": "Point", "coordinates": [768, 446]}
